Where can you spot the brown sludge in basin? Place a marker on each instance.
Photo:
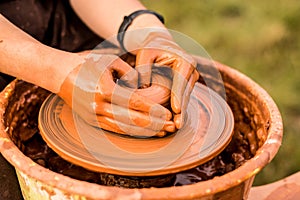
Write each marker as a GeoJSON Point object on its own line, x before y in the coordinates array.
{"type": "Point", "coordinates": [21, 117]}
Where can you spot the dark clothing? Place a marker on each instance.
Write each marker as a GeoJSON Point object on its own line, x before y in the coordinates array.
{"type": "Point", "coordinates": [54, 23]}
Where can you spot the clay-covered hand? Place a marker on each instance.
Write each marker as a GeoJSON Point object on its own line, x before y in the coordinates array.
{"type": "Point", "coordinates": [159, 49]}
{"type": "Point", "coordinates": [92, 91]}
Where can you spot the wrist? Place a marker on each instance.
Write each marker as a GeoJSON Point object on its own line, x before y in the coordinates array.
{"type": "Point", "coordinates": [138, 38]}
{"type": "Point", "coordinates": [138, 27]}
{"type": "Point", "coordinates": [145, 20]}
{"type": "Point", "coordinates": [55, 67]}
{"type": "Point", "coordinates": [67, 64]}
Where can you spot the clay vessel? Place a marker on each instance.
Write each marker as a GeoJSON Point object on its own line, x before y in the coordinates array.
{"type": "Point", "coordinates": [244, 95]}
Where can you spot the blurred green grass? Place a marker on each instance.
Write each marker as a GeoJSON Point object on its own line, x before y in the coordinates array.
{"type": "Point", "coordinates": [260, 39]}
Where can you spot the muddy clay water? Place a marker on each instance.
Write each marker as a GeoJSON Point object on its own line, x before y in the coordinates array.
{"type": "Point", "coordinates": [21, 117]}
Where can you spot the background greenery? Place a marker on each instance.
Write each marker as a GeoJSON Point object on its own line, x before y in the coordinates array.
{"type": "Point", "coordinates": [261, 39]}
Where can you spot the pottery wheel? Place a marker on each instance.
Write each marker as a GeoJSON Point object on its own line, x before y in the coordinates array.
{"type": "Point", "coordinates": [207, 131]}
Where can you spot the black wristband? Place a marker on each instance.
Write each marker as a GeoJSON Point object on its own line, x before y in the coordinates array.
{"type": "Point", "coordinates": [127, 22]}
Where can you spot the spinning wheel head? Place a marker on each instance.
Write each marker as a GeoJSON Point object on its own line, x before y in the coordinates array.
{"type": "Point", "coordinates": [207, 131]}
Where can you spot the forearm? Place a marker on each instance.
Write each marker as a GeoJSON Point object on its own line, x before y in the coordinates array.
{"type": "Point", "coordinates": [105, 16]}
{"type": "Point", "coordinates": [24, 57]}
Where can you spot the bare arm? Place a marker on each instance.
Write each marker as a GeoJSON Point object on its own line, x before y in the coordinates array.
{"type": "Point", "coordinates": [24, 57]}
{"type": "Point", "coordinates": [105, 16]}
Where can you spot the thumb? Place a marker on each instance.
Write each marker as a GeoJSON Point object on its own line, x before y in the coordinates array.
{"type": "Point", "coordinates": [144, 61]}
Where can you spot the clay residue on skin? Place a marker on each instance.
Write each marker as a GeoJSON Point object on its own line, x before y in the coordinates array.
{"type": "Point", "coordinates": [95, 84]}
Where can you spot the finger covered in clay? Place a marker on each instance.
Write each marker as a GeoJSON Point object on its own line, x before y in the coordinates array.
{"type": "Point", "coordinates": [133, 117]}
{"type": "Point", "coordinates": [179, 118]}
{"type": "Point", "coordinates": [127, 129]}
